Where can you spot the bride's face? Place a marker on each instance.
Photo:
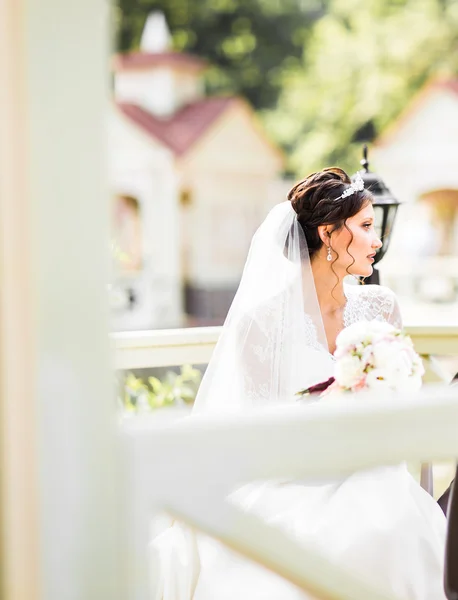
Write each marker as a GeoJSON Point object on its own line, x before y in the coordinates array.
{"type": "Point", "coordinates": [356, 244]}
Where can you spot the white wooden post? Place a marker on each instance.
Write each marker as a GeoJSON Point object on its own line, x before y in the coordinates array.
{"type": "Point", "coordinates": [58, 481]}
{"type": "Point", "coordinates": [18, 466]}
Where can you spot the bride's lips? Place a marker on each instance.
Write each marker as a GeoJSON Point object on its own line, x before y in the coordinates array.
{"type": "Point", "coordinates": [371, 257]}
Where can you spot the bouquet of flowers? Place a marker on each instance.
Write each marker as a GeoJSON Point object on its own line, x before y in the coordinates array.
{"type": "Point", "coordinates": [372, 355]}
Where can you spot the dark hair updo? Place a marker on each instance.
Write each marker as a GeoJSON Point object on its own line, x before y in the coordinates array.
{"type": "Point", "coordinates": [316, 200]}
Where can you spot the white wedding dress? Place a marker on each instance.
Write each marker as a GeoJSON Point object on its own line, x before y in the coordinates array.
{"type": "Point", "coordinates": [380, 524]}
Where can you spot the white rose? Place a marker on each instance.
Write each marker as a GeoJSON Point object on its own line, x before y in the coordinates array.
{"type": "Point", "coordinates": [376, 380]}
{"type": "Point", "coordinates": [362, 332]}
{"type": "Point", "coordinates": [366, 356]}
{"type": "Point", "coordinates": [405, 360]}
{"type": "Point", "coordinates": [383, 353]}
{"type": "Point", "coordinates": [400, 372]}
{"type": "Point", "coordinates": [352, 335]}
{"type": "Point", "coordinates": [349, 370]}
{"type": "Point", "coordinates": [395, 377]}
{"type": "Point", "coordinates": [378, 328]}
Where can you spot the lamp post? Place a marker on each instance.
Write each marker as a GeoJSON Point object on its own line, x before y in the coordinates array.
{"type": "Point", "coordinates": [385, 208]}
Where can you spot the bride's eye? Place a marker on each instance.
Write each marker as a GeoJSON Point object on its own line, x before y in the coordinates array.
{"type": "Point", "coordinates": [367, 225]}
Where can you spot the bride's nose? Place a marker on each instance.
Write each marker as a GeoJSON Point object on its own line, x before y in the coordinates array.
{"type": "Point", "coordinates": [377, 243]}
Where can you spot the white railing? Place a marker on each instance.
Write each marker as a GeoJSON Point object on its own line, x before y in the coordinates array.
{"type": "Point", "coordinates": [167, 347]}
{"type": "Point", "coordinates": [146, 476]}
{"type": "Point", "coordinates": [164, 347]}
{"type": "Point", "coordinates": [161, 348]}
{"type": "Point", "coordinates": [333, 435]}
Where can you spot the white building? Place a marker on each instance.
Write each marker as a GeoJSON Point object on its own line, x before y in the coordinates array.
{"type": "Point", "coordinates": [418, 159]}
{"type": "Point", "coordinates": [192, 178]}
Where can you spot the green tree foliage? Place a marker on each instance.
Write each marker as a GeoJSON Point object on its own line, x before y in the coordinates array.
{"type": "Point", "coordinates": [365, 62]}
{"type": "Point", "coordinates": [248, 43]}
{"type": "Point", "coordinates": [325, 75]}
{"type": "Point", "coordinates": [174, 389]}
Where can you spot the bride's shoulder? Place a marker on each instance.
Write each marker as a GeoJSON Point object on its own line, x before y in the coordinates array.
{"type": "Point", "coordinates": [370, 291]}
{"type": "Point", "coordinates": [374, 302]}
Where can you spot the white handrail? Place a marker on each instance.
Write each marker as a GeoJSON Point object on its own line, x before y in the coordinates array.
{"type": "Point", "coordinates": [203, 463]}
{"type": "Point", "coordinates": [158, 348]}
{"type": "Point", "coordinates": [165, 347]}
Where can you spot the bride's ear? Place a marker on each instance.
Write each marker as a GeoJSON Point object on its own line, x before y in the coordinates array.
{"type": "Point", "coordinates": [324, 233]}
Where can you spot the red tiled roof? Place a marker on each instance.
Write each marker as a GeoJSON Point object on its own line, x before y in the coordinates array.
{"type": "Point", "coordinates": [180, 131]}
{"type": "Point", "coordinates": [140, 60]}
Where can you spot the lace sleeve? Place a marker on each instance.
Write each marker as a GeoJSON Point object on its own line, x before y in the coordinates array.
{"type": "Point", "coordinates": [372, 302]}
{"type": "Point", "coordinates": [395, 317]}
{"type": "Point", "coordinates": [389, 306]}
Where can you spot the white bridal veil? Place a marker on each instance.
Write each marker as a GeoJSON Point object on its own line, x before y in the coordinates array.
{"type": "Point", "coordinates": [273, 341]}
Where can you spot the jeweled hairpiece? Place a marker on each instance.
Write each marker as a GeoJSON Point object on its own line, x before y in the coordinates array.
{"type": "Point", "coordinates": [356, 186]}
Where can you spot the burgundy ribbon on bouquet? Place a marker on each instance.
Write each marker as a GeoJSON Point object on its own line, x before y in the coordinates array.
{"type": "Point", "coordinates": [318, 388]}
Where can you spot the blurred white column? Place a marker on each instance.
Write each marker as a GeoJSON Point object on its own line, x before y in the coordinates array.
{"type": "Point", "coordinates": [19, 549]}
{"type": "Point", "coordinates": [58, 480]}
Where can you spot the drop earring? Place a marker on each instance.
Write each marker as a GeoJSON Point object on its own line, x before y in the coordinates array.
{"type": "Point", "coordinates": [329, 256]}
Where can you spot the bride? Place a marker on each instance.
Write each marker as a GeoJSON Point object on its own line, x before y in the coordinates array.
{"type": "Point", "coordinates": [279, 337]}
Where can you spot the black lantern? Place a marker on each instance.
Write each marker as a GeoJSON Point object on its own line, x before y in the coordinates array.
{"type": "Point", "coordinates": [385, 208]}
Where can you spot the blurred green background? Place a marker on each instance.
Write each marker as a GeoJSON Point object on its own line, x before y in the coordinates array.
{"type": "Point", "coordinates": [324, 76]}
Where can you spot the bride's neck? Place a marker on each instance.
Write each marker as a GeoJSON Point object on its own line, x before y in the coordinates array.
{"type": "Point", "coordinates": [329, 288]}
